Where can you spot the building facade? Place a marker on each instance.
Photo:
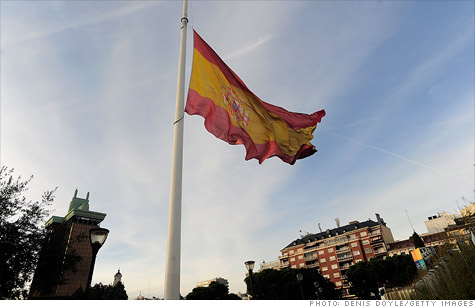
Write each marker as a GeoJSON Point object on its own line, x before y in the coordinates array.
{"type": "Point", "coordinates": [65, 258]}
{"type": "Point", "coordinates": [333, 251]}
{"type": "Point", "coordinates": [206, 283]}
{"type": "Point", "coordinates": [439, 222]}
{"type": "Point", "coordinates": [405, 247]}
{"type": "Point", "coordinates": [274, 264]}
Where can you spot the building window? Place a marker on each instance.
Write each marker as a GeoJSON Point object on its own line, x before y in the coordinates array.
{"type": "Point", "coordinates": [300, 249]}
{"type": "Point", "coordinates": [356, 253]}
{"type": "Point", "coordinates": [336, 275]}
{"type": "Point", "coordinates": [368, 250]}
{"type": "Point", "coordinates": [324, 269]}
{"type": "Point", "coordinates": [332, 258]}
{"type": "Point", "coordinates": [291, 252]}
{"type": "Point", "coordinates": [300, 257]}
{"type": "Point", "coordinates": [363, 234]}
{"type": "Point", "coordinates": [354, 244]}
{"type": "Point", "coordinates": [334, 266]}
{"type": "Point", "coordinates": [321, 252]}
{"type": "Point", "coordinates": [301, 265]}
{"type": "Point", "coordinates": [330, 250]}
{"type": "Point", "coordinates": [366, 242]}
{"type": "Point", "coordinates": [292, 259]}
{"type": "Point", "coordinates": [338, 284]}
{"type": "Point", "coordinates": [323, 260]}
{"type": "Point", "coordinates": [326, 276]}
{"type": "Point", "coordinates": [358, 260]}
{"type": "Point", "coordinates": [294, 267]}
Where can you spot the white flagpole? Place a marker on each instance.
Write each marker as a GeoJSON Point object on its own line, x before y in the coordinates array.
{"type": "Point", "coordinates": [172, 274]}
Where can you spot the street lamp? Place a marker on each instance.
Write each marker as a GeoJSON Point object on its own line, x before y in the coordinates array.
{"type": "Point", "coordinates": [300, 278]}
{"type": "Point", "coordinates": [97, 237]}
{"type": "Point", "coordinates": [249, 267]}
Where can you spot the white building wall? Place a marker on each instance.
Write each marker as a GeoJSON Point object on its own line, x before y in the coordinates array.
{"type": "Point", "coordinates": [440, 222]}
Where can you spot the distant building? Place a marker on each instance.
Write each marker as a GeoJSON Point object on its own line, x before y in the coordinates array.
{"type": "Point", "coordinates": [270, 265]}
{"type": "Point", "coordinates": [117, 278]}
{"type": "Point", "coordinates": [405, 247]}
{"type": "Point", "coordinates": [333, 251]}
{"type": "Point", "coordinates": [439, 222]}
{"type": "Point", "coordinates": [458, 232]}
{"type": "Point", "coordinates": [65, 258]}
{"type": "Point", "coordinates": [217, 279]}
{"type": "Point", "coordinates": [468, 211]}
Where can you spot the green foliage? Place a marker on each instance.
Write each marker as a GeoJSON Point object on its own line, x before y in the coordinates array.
{"type": "Point", "coordinates": [417, 241]}
{"type": "Point", "coordinates": [215, 291]}
{"type": "Point", "coordinates": [21, 234]}
{"type": "Point", "coordinates": [367, 277]}
{"type": "Point", "coordinates": [107, 292]}
{"type": "Point", "coordinates": [272, 284]}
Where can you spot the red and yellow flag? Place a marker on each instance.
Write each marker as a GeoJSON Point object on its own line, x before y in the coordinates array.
{"type": "Point", "coordinates": [235, 115]}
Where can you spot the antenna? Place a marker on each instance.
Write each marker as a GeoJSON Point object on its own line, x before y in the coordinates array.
{"type": "Point", "coordinates": [320, 227]}
{"type": "Point", "coordinates": [410, 222]}
{"type": "Point", "coordinates": [337, 222]}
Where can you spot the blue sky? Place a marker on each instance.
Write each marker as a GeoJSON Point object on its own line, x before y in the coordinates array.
{"type": "Point", "coordinates": [88, 100]}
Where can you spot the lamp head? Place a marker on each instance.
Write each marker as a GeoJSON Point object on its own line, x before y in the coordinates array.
{"type": "Point", "coordinates": [98, 236]}
{"type": "Point", "coordinates": [249, 265]}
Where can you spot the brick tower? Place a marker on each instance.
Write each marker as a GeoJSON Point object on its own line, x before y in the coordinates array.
{"type": "Point", "coordinates": [66, 255]}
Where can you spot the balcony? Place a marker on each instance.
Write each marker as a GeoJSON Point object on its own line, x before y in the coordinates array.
{"type": "Point", "coordinates": [283, 257]}
{"type": "Point", "coordinates": [377, 239]}
{"type": "Point", "coordinates": [375, 233]}
{"type": "Point", "coordinates": [345, 266]}
{"type": "Point", "coordinates": [380, 251]}
{"type": "Point", "coordinates": [345, 258]}
{"type": "Point", "coordinates": [313, 265]}
{"type": "Point", "coordinates": [284, 264]}
{"type": "Point", "coordinates": [311, 258]}
{"type": "Point", "coordinates": [342, 250]}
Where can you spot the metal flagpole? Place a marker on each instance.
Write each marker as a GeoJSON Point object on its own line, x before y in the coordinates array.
{"type": "Point", "coordinates": [172, 274]}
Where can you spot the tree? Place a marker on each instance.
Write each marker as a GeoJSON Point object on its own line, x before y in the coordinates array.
{"type": "Point", "coordinates": [367, 277]}
{"type": "Point", "coordinates": [416, 239]}
{"type": "Point", "coordinates": [272, 284]}
{"type": "Point", "coordinates": [215, 291]}
{"type": "Point", "coordinates": [107, 292]}
{"type": "Point", "coordinates": [21, 233]}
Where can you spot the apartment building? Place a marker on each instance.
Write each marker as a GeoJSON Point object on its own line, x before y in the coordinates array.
{"type": "Point", "coordinates": [405, 247]}
{"type": "Point", "coordinates": [206, 283]}
{"type": "Point", "coordinates": [333, 251]}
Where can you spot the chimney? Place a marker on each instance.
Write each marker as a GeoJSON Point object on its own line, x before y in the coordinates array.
{"type": "Point", "coordinates": [378, 218]}
{"type": "Point", "coordinates": [337, 222]}
{"type": "Point", "coordinates": [320, 227]}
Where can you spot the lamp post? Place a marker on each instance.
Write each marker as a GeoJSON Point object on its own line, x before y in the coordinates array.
{"type": "Point", "coordinates": [97, 237]}
{"type": "Point", "coordinates": [300, 278]}
{"type": "Point", "coordinates": [249, 267]}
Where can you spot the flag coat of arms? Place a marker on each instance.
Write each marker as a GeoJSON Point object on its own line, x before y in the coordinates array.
{"type": "Point", "coordinates": [235, 115]}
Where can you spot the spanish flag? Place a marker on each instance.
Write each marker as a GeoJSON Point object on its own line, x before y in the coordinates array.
{"type": "Point", "coordinates": [234, 114]}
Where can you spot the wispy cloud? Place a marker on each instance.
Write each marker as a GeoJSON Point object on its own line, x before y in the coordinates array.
{"type": "Point", "coordinates": [379, 149]}
{"type": "Point", "coordinates": [29, 32]}
{"type": "Point", "coordinates": [249, 47]}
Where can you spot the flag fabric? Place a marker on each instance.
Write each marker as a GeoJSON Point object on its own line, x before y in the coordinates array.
{"type": "Point", "coordinates": [234, 114]}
